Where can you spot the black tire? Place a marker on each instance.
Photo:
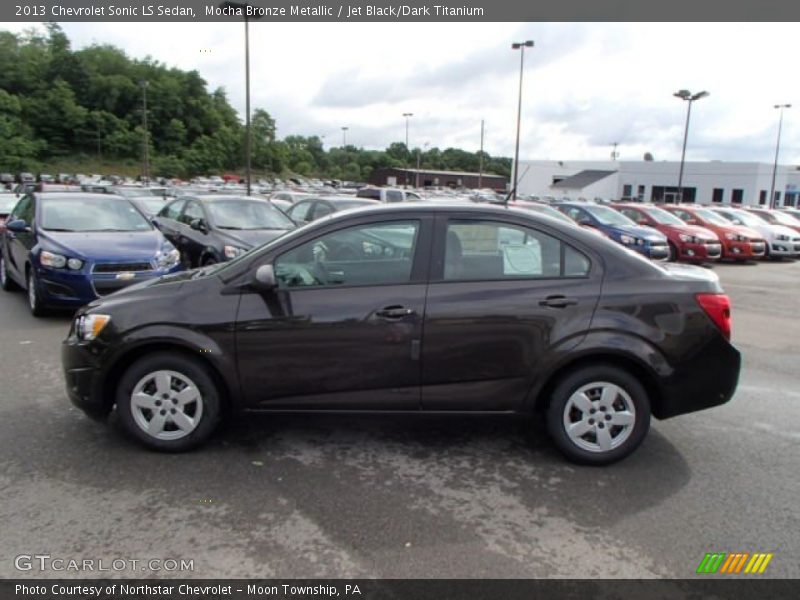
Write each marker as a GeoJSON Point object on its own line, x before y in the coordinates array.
{"type": "Point", "coordinates": [584, 377]}
{"type": "Point", "coordinates": [673, 252]}
{"type": "Point", "coordinates": [187, 368]}
{"type": "Point", "coordinates": [5, 280]}
{"type": "Point", "coordinates": [34, 295]}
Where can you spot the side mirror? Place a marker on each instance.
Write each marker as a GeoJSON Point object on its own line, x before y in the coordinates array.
{"type": "Point", "coordinates": [199, 225]}
{"type": "Point", "coordinates": [17, 226]}
{"type": "Point", "coordinates": [264, 280]}
{"type": "Point", "coordinates": [584, 221]}
{"type": "Point", "coordinates": [644, 222]}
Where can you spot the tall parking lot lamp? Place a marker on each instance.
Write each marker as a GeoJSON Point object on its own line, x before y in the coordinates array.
{"type": "Point", "coordinates": [248, 144]}
{"type": "Point", "coordinates": [344, 136]}
{"type": "Point", "coordinates": [521, 47]}
{"type": "Point", "coordinates": [145, 140]}
{"type": "Point", "coordinates": [688, 97]}
{"type": "Point", "coordinates": [772, 202]}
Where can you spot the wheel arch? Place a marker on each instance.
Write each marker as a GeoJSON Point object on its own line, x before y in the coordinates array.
{"type": "Point", "coordinates": [540, 398]}
{"type": "Point", "coordinates": [121, 363]}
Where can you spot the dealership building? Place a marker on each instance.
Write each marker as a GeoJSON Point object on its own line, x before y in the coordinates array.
{"type": "Point", "coordinates": [432, 178]}
{"type": "Point", "coordinates": [746, 183]}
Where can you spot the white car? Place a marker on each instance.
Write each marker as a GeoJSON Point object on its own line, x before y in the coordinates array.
{"type": "Point", "coordinates": [782, 241]}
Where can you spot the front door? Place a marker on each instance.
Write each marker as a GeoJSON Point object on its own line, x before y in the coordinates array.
{"type": "Point", "coordinates": [343, 329]}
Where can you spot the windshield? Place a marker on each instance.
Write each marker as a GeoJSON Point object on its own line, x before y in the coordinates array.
{"type": "Point", "coordinates": [662, 217]}
{"type": "Point", "coordinates": [609, 217]}
{"type": "Point", "coordinates": [7, 203]}
{"type": "Point", "coordinates": [247, 214]}
{"type": "Point", "coordinates": [779, 217]}
{"type": "Point", "coordinates": [748, 219]}
{"type": "Point", "coordinates": [90, 214]}
{"type": "Point", "coordinates": [712, 217]}
{"type": "Point", "coordinates": [550, 212]}
{"type": "Point", "coordinates": [152, 205]}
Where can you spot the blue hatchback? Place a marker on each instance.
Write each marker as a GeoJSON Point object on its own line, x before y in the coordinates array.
{"type": "Point", "coordinates": [645, 240]}
{"type": "Point", "coordinates": [67, 249]}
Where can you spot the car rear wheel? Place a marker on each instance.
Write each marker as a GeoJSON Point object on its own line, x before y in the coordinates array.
{"type": "Point", "coordinates": [168, 402]}
{"type": "Point", "coordinates": [598, 414]}
{"type": "Point", "coordinates": [5, 281]}
{"type": "Point", "coordinates": [34, 296]}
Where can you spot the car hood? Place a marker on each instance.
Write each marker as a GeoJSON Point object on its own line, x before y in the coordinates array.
{"type": "Point", "coordinates": [111, 246]}
{"type": "Point", "coordinates": [249, 238]}
{"type": "Point", "coordinates": [640, 231]}
{"type": "Point", "coordinates": [695, 230]}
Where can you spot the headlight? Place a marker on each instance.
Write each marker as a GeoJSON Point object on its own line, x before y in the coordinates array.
{"type": "Point", "coordinates": [48, 259]}
{"type": "Point", "coordinates": [168, 257]}
{"type": "Point", "coordinates": [783, 238]}
{"type": "Point", "coordinates": [689, 239]}
{"type": "Point", "coordinates": [735, 237]}
{"type": "Point", "coordinates": [233, 251]}
{"type": "Point", "coordinates": [88, 327]}
{"type": "Point", "coordinates": [75, 264]}
{"type": "Point", "coordinates": [639, 242]}
{"type": "Point", "coordinates": [627, 239]}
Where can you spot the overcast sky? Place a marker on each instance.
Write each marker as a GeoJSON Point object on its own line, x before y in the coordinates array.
{"type": "Point", "coordinates": [586, 85]}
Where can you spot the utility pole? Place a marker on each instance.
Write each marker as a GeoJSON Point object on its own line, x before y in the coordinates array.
{"type": "Point", "coordinates": [480, 167]}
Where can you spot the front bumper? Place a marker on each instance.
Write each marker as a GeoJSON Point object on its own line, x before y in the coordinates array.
{"type": "Point", "coordinates": [743, 250]}
{"type": "Point", "coordinates": [84, 378]}
{"type": "Point", "coordinates": [700, 251]}
{"type": "Point", "coordinates": [785, 249]}
{"type": "Point", "coordinates": [73, 289]}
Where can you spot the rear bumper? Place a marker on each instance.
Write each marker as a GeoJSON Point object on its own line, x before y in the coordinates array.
{"type": "Point", "coordinates": [707, 378]}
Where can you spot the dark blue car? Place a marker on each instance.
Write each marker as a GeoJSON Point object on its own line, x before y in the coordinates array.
{"type": "Point", "coordinates": [644, 240]}
{"type": "Point", "coordinates": [67, 249]}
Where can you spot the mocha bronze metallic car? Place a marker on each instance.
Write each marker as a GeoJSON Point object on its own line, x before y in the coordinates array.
{"type": "Point", "coordinates": [413, 308]}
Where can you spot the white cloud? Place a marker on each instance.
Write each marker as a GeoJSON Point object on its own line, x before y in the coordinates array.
{"type": "Point", "coordinates": [586, 85]}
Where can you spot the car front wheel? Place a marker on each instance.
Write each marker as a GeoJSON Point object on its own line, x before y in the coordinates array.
{"type": "Point", "coordinates": [598, 414]}
{"type": "Point", "coordinates": [5, 281]}
{"type": "Point", "coordinates": [34, 297]}
{"type": "Point", "coordinates": [168, 402]}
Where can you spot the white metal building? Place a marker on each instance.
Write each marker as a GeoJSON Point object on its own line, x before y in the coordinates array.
{"type": "Point", "coordinates": [703, 182]}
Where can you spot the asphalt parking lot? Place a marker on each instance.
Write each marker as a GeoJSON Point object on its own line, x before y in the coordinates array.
{"type": "Point", "coordinates": [368, 497]}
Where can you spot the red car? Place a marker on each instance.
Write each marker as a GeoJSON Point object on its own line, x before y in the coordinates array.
{"type": "Point", "coordinates": [738, 242]}
{"type": "Point", "coordinates": [690, 243]}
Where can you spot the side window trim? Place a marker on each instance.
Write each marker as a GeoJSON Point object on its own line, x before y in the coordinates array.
{"type": "Point", "coordinates": [436, 274]}
{"type": "Point", "coordinates": [420, 259]}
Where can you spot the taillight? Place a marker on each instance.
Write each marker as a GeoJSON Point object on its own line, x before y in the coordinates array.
{"type": "Point", "coordinates": [718, 309]}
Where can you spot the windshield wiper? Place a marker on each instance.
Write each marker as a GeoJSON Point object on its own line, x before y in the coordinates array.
{"type": "Point", "coordinates": [230, 227]}
{"type": "Point", "coordinates": [59, 229]}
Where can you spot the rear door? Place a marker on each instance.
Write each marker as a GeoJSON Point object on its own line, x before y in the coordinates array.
{"type": "Point", "coordinates": [343, 329]}
{"type": "Point", "coordinates": [503, 301]}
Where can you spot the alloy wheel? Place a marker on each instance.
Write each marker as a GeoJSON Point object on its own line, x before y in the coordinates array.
{"type": "Point", "coordinates": [599, 417]}
{"type": "Point", "coordinates": [166, 405]}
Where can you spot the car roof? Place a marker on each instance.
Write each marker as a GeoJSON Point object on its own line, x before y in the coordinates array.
{"type": "Point", "coordinates": [223, 197]}
{"type": "Point", "coordinates": [81, 195]}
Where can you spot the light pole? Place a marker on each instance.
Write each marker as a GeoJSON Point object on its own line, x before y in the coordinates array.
{"type": "Point", "coordinates": [521, 47]}
{"type": "Point", "coordinates": [419, 156]}
{"type": "Point", "coordinates": [688, 97]}
{"type": "Point", "coordinates": [480, 161]}
{"type": "Point", "coordinates": [344, 136]}
{"type": "Point", "coordinates": [407, 117]}
{"type": "Point", "coordinates": [772, 202]}
{"type": "Point", "coordinates": [614, 153]}
{"type": "Point", "coordinates": [248, 143]}
{"type": "Point", "coordinates": [145, 141]}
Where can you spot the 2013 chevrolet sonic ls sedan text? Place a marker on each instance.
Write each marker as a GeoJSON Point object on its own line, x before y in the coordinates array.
{"type": "Point", "coordinates": [419, 309]}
